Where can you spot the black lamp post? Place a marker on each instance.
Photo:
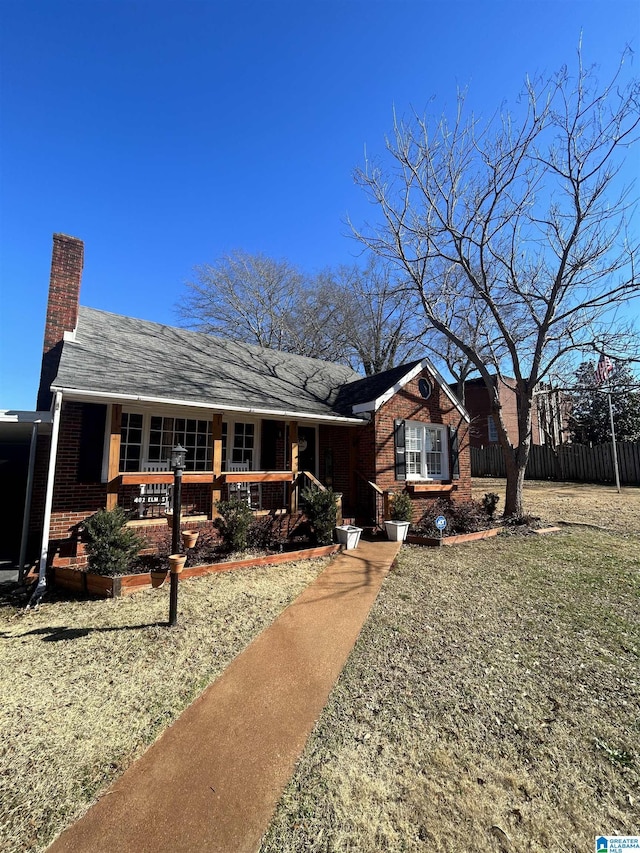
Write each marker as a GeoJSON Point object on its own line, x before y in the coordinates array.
{"type": "Point", "coordinates": [177, 463]}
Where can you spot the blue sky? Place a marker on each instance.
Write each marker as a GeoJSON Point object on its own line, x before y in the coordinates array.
{"type": "Point", "coordinates": [166, 134]}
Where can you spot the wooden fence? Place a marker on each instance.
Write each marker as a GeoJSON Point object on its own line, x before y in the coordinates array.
{"type": "Point", "coordinates": [577, 462]}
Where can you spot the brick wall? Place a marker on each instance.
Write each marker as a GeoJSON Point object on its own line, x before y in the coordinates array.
{"type": "Point", "coordinates": [408, 404]}
{"type": "Point", "coordinates": [72, 501]}
{"type": "Point", "coordinates": [62, 308]}
{"type": "Point", "coordinates": [478, 406]}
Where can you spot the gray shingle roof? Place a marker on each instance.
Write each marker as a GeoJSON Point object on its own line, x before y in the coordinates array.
{"type": "Point", "coordinates": [369, 388]}
{"type": "Point", "coordinates": [114, 355]}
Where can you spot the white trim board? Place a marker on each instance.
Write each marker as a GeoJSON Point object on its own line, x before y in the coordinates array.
{"type": "Point", "coordinates": [374, 405]}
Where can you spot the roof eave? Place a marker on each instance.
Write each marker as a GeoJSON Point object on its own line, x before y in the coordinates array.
{"type": "Point", "coordinates": [84, 395]}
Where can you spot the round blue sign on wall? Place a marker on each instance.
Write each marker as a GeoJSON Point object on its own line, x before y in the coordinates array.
{"type": "Point", "coordinates": [441, 522]}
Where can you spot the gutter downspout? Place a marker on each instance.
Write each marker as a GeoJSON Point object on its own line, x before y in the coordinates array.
{"type": "Point", "coordinates": [48, 503]}
{"type": "Point", "coordinates": [27, 502]}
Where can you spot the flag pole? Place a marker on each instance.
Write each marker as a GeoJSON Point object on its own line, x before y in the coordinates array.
{"type": "Point", "coordinates": [613, 441]}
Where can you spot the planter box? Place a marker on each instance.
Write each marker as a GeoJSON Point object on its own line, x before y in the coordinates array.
{"type": "Point", "coordinates": [105, 587]}
{"type": "Point", "coordinates": [396, 530]}
{"type": "Point", "coordinates": [348, 535]}
{"type": "Point", "coordinates": [459, 539]}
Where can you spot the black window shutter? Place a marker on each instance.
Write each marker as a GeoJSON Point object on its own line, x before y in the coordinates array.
{"type": "Point", "coordinates": [455, 454]}
{"type": "Point", "coordinates": [94, 419]}
{"type": "Point", "coordinates": [401, 465]}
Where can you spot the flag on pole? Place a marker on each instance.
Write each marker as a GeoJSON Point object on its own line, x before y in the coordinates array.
{"type": "Point", "coordinates": [604, 369]}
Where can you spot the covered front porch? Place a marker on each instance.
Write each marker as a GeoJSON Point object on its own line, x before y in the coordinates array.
{"type": "Point", "coordinates": [264, 461]}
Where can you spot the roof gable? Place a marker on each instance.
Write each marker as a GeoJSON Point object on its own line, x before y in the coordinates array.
{"type": "Point", "coordinates": [367, 395]}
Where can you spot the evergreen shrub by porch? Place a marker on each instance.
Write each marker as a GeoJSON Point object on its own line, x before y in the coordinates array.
{"type": "Point", "coordinates": [111, 547]}
{"type": "Point", "coordinates": [321, 510]}
{"type": "Point", "coordinates": [234, 523]}
{"type": "Point", "coordinates": [402, 507]}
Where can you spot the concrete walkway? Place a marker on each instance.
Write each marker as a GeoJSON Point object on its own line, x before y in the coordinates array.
{"type": "Point", "coordinates": [212, 781]}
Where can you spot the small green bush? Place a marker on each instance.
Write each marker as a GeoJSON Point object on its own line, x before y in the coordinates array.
{"type": "Point", "coordinates": [321, 510]}
{"type": "Point", "coordinates": [402, 507]}
{"type": "Point", "coordinates": [234, 523]}
{"type": "Point", "coordinates": [111, 547]}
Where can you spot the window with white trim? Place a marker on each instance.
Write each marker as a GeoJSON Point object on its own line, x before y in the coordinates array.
{"type": "Point", "coordinates": [426, 451]}
{"type": "Point", "coordinates": [150, 438]}
{"type": "Point", "coordinates": [192, 433]}
{"type": "Point", "coordinates": [131, 441]}
{"type": "Point", "coordinates": [243, 443]}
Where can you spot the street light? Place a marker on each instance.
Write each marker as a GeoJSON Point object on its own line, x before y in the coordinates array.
{"type": "Point", "coordinates": [178, 455]}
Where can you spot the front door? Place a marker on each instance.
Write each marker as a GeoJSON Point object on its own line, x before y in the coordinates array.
{"type": "Point", "coordinates": [307, 449]}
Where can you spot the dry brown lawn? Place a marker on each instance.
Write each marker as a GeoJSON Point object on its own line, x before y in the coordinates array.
{"type": "Point", "coordinates": [573, 503]}
{"type": "Point", "coordinates": [492, 703]}
{"type": "Point", "coordinates": [86, 686]}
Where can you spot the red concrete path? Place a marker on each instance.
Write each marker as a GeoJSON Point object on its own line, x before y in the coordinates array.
{"type": "Point", "coordinates": [212, 781]}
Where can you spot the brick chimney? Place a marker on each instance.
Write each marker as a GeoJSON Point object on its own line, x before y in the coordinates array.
{"type": "Point", "coordinates": [62, 308]}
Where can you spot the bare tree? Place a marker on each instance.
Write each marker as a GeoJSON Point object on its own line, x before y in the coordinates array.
{"type": "Point", "coordinates": [376, 321]}
{"type": "Point", "coordinates": [244, 297]}
{"type": "Point", "coordinates": [355, 315]}
{"type": "Point", "coordinates": [521, 222]}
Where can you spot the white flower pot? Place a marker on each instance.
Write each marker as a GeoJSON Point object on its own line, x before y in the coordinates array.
{"type": "Point", "coordinates": [396, 530]}
{"type": "Point", "coordinates": [348, 535]}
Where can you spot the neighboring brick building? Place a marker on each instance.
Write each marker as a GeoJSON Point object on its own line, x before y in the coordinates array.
{"type": "Point", "coordinates": [124, 391]}
{"type": "Point", "coordinates": [548, 415]}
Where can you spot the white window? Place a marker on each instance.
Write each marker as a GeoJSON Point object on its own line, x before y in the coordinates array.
{"type": "Point", "coordinates": [243, 443]}
{"type": "Point", "coordinates": [150, 438]}
{"type": "Point", "coordinates": [192, 433]}
{"type": "Point", "coordinates": [130, 442]}
{"type": "Point", "coordinates": [493, 431]}
{"type": "Point", "coordinates": [426, 451]}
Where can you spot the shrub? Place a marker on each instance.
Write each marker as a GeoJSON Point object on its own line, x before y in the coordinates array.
{"type": "Point", "coordinates": [234, 523]}
{"type": "Point", "coordinates": [467, 517]}
{"type": "Point", "coordinates": [490, 503]}
{"type": "Point", "coordinates": [111, 546]}
{"type": "Point", "coordinates": [402, 507]}
{"type": "Point", "coordinates": [321, 510]}
{"type": "Point", "coordinates": [266, 533]}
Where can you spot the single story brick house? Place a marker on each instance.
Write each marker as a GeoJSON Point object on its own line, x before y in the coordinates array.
{"type": "Point", "coordinates": [123, 391]}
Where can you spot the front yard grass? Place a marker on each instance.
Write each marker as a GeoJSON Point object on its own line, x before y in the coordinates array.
{"type": "Point", "coordinates": [572, 503]}
{"type": "Point", "coordinates": [491, 703]}
{"type": "Point", "coordinates": [86, 686]}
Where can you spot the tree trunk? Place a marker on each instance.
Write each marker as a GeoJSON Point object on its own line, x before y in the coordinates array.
{"type": "Point", "coordinates": [513, 502]}
{"type": "Point", "coordinates": [516, 460]}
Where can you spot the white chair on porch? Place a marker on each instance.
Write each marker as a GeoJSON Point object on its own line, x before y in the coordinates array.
{"type": "Point", "coordinates": [242, 491]}
{"type": "Point", "coordinates": [153, 495]}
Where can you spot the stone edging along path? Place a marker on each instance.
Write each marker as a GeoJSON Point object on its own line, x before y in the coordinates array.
{"type": "Point", "coordinates": [80, 581]}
